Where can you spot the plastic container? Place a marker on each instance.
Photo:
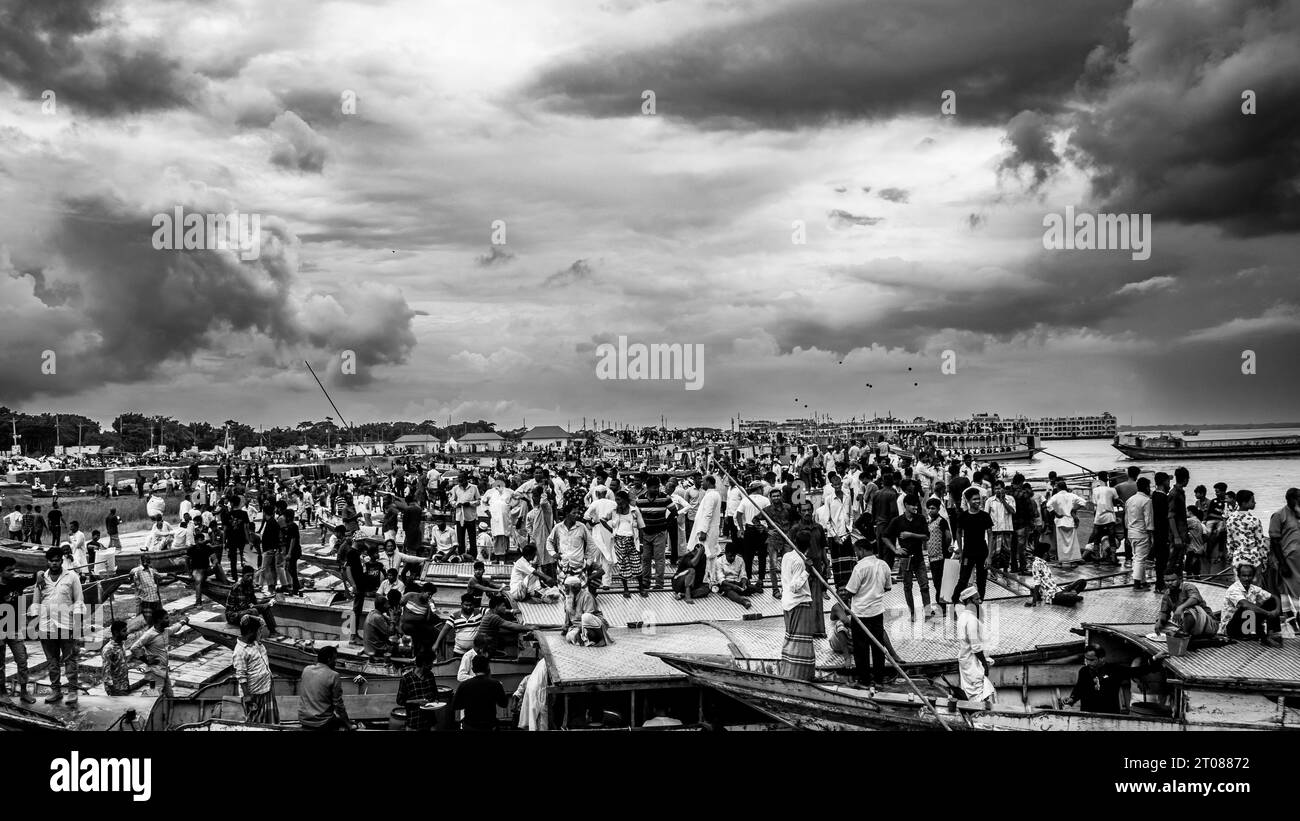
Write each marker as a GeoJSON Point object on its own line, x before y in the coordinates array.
{"type": "Point", "coordinates": [1177, 645]}
{"type": "Point", "coordinates": [397, 719]}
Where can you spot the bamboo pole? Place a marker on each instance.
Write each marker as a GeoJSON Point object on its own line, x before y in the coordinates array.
{"type": "Point", "coordinates": [926, 703]}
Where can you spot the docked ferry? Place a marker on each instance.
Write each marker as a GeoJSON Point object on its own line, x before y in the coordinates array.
{"type": "Point", "coordinates": [1168, 446]}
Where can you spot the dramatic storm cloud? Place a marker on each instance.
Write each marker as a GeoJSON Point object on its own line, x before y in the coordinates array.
{"type": "Point", "coordinates": [466, 201]}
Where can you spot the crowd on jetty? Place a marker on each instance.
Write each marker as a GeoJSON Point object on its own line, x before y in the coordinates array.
{"type": "Point", "coordinates": [854, 518]}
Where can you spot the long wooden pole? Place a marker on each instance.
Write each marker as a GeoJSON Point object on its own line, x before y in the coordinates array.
{"type": "Point", "coordinates": [927, 705]}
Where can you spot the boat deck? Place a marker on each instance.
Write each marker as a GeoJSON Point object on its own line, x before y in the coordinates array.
{"type": "Point", "coordinates": [1239, 664]}
{"type": "Point", "coordinates": [658, 608]}
{"type": "Point", "coordinates": [1010, 629]}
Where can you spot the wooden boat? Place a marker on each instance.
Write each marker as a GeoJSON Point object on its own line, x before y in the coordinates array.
{"type": "Point", "coordinates": [1225, 685]}
{"type": "Point", "coordinates": [294, 655]}
{"type": "Point", "coordinates": [30, 558]}
{"type": "Point", "coordinates": [1167, 447]}
{"type": "Point", "coordinates": [810, 705]}
{"type": "Point", "coordinates": [987, 447]}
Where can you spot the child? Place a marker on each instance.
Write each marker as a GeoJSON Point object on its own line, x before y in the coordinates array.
{"type": "Point", "coordinates": [479, 584]}
{"type": "Point", "coordinates": [1196, 532]}
{"type": "Point", "coordinates": [841, 639]}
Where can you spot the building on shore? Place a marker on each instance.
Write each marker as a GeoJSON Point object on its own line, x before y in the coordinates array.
{"type": "Point", "coordinates": [1103, 426]}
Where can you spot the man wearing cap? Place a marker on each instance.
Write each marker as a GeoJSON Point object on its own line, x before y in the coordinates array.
{"type": "Point", "coordinates": [972, 664]}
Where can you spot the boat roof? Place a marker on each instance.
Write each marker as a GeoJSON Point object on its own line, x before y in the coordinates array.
{"type": "Point", "coordinates": [624, 664]}
{"type": "Point", "coordinates": [1011, 630]}
{"type": "Point", "coordinates": [1241, 664]}
{"type": "Point", "coordinates": [658, 608]}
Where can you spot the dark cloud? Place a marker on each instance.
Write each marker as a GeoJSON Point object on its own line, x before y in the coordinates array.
{"type": "Point", "coordinates": [809, 64]}
{"type": "Point", "coordinates": [893, 194]}
{"type": "Point", "coordinates": [297, 146]}
{"type": "Point", "coordinates": [1029, 135]}
{"type": "Point", "coordinates": [579, 271]}
{"type": "Point", "coordinates": [68, 47]}
{"type": "Point", "coordinates": [1166, 134]}
{"type": "Point", "coordinates": [496, 255]}
{"type": "Point", "coordinates": [843, 219]}
{"type": "Point", "coordinates": [133, 313]}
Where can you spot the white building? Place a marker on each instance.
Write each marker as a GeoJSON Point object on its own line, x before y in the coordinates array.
{"type": "Point", "coordinates": [547, 436]}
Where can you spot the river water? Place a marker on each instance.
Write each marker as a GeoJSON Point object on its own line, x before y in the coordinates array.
{"type": "Point", "coordinates": [1268, 478]}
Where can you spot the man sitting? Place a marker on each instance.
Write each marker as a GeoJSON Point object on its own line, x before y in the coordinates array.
{"type": "Point", "coordinates": [1045, 585]}
{"type": "Point", "coordinates": [1184, 610]}
{"type": "Point", "coordinates": [841, 638]}
{"type": "Point", "coordinates": [688, 583]}
{"type": "Point", "coordinates": [526, 580]}
{"type": "Point", "coordinates": [243, 602]}
{"type": "Point", "coordinates": [734, 583]}
{"type": "Point", "coordinates": [1250, 612]}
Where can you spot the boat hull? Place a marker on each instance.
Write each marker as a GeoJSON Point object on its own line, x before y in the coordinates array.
{"type": "Point", "coordinates": [807, 705]}
{"type": "Point", "coordinates": [1208, 451]}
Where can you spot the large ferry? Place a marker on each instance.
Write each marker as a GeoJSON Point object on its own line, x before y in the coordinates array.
{"type": "Point", "coordinates": [1168, 446]}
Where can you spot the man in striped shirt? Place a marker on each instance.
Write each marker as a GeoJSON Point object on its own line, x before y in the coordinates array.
{"type": "Point", "coordinates": [253, 672]}
{"type": "Point", "coordinates": [466, 623]}
{"type": "Point", "coordinates": [654, 506]}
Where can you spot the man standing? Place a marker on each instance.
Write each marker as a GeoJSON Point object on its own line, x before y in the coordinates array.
{"type": "Point", "coordinates": [237, 528]}
{"type": "Point", "coordinates": [1002, 511]}
{"type": "Point", "coordinates": [153, 648]}
{"type": "Point", "coordinates": [906, 537]}
{"type": "Point", "coordinates": [58, 605]}
{"type": "Point", "coordinates": [972, 527]}
{"type": "Point", "coordinates": [1246, 542]}
{"type": "Point", "coordinates": [417, 688]}
{"type": "Point", "coordinates": [55, 519]}
{"type": "Point", "coordinates": [12, 587]}
{"type": "Point", "coordinates": [253, 672]}
{"type": "Point", "coordinates": [654, 506]}
{"type": "Point", "coordinates": [867, 585]}
{"type": "Point", "coordinates": [972, 664]}
{"type": "Point", "coordinates": [464, 498]}
{"type": "Point", "coordinates": [1178, 535]}
{"type": "Point", "coordinates": [884, 507]}
{"type": "Point", "coordinates": [797, 658]}
{"type": "Point", "coordinates": [1160, 518]}
{"type": "Point", "coordinates": [479, 697]}
{"type": "Point", "coordinates": [320, 694]}
{"type": "Point", "coordinates": [708, 521]}
{"type": "Point", "coordinates": [571, 542]}
{"type": "Point", "coordinates": [782, 515]}
{"type": "Point", "coordinates": [1284, 541]}
{"type": "Point", "coordinates": [145, 579]}
{"type": "Point", "coordinates": [14, 522]}
{"type": "Point", "coordinates": [1103, 541]}
{"type": "Point", "coordinates": [1139, 524]}
{"type": "Point", "coordinates": [116, 681]}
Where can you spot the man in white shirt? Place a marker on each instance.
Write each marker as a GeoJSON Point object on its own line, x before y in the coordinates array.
{"type": "Point", "coordinates": [708, 520]}
{"type": "Point", "coordinates": [602, 537]}
{"type": "Point", "coordinates": [570, 540]}
{"type": "Point", "coordinates": [160, 535]}
{"type": "Point", "coordinates": [1139, 524]}
{"type": "Point", "coordinates": [867, 585]}
{"type": "Point", "coordinates": [77, 541]}
{"type": "Point", "coordinates": [798, 660]}
{"type": "Point", "coordinates": [186, 507]}
{"type": "Point", "coordinates": [1102, 543]}
{"type": "Point", "coordinates": [15, 523]}
{"type": "Point", "coordinates": [1001, 509]}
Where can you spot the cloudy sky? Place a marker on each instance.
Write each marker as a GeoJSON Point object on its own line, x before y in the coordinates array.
{"type": "Point", "coordinates": [923, 227]}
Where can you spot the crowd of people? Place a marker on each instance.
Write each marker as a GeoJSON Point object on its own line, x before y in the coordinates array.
{"type": "Point", "coordinates": [856, 518]}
